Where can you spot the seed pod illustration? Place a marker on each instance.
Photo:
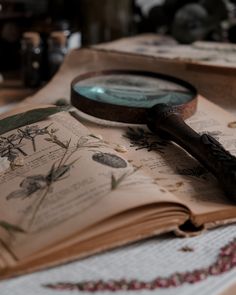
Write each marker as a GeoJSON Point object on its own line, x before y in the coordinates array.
{"type": "Point", "coordinates": [110, 160]}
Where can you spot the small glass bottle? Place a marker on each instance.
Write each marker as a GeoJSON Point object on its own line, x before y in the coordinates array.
{"type": "Point", "coordinates": [57, 49]}
{"type": "Point", "coordinates": [31, 59]}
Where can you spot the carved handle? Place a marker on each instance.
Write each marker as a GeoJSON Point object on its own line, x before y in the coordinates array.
{"type": "Point", "coordinates": [166, 121]}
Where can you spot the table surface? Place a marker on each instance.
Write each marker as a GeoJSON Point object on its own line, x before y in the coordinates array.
{"type": "Point", "coordinates": [12, 89]}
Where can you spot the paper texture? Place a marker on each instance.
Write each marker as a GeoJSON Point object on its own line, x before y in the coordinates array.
{"type": "Point", "coordinates": [204, 53]}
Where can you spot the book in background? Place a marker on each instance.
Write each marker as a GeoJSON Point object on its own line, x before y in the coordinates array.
{"type": "Point", "coordinates": [209, 66]}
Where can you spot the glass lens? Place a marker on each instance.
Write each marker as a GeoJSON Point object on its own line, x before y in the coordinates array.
{"type": "Point", "coordinates": [133, 90]}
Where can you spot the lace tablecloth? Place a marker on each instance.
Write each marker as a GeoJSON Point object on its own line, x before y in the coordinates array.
{"type": "Point", "coordinates": [165, 265]}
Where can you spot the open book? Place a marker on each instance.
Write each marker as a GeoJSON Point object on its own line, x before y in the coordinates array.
{"type": "Point", "coordinates": [72, 186]}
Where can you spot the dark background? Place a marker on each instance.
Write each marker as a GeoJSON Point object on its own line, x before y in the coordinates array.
{"type": "Point", "coordinates": [106, 20]}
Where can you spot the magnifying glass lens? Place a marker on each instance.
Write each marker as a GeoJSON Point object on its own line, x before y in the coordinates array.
{"type": "Point", "coordinates": [132, 90]}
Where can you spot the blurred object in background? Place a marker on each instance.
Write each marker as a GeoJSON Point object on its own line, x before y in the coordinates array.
{"type": "Point", "coordinates": [45, 28]}
{"type": "Point", "coordinates": [230, 24]}
{"type": "Point", "coordinates": [31, 59]}
{"type": "Point", "coordinates": [57, 49]}
{"type": "Point", "coordinates": [199, 21]}
{"type": "Point", "coordinates": [187, 21]}
{"type": "Point", "coordinates": [105, 20]}
{"type": "Point", "coordinates": [57, 38]}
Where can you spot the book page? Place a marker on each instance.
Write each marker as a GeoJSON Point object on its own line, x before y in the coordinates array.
{"type": "Point", "coordinates": [204, 53]}
{"type": "Point", "coordinates": [171, 167]}
{"type": "Point", "coordinates": [63, 179]}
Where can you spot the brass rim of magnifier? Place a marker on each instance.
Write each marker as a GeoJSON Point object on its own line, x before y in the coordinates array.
{"type": "Point", "coordinates": [127, 114]}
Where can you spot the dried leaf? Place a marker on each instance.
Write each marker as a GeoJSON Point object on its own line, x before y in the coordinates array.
{"type": "Point", "coordinates": [186, 249]}
{"type": "Point", "coordinates": [113, 182]}
{"type": "Point", "coordinates": [179, 184]}
{"type": "Point", "coordinates": [10, 227]}
{"type": "Point", "coordinates": [27, 118]}
{"type": "Point", "coordinates": [97, 136]}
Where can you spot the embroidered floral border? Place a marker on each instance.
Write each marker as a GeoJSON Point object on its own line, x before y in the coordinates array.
{"type": "Point", "coordinates": [225, 261]}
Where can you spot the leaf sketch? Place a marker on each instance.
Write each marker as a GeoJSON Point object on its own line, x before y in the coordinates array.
{"type": "Point", "coordinates": [142, 139]}
{"type": "Point", "coordinates": [11, 147]}
{"type": "Point", "coordinates": [31, 132]}
{"type": "Point", "coordinates": [43, 184]}
{"type": "Point", "coordinates": [10, 227]}
{"type": "Point", "coordinates": [116, 181]}
{"type": "Point", "coordinates": [54, 139]}
{"type": "Point", "coordinates": [91, 141]}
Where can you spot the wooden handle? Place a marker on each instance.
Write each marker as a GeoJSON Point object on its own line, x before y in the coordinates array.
{"type": "Point", "coordinates": [165, 120]}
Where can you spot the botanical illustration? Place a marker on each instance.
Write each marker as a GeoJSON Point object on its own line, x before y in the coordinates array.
{"type": "Point", "coordinates": [12, 146]}
{"type": "Point", "coordinates": [40, 185]}
{"type": "Point", "coordinates": [142, 139]}
{"type": "Point", "coordinates": [43, 184]}
{"type": "Point", "coordinates": [116, 181]}
{"type": "Point", "coordinates": [10, 228]}
{"type": "Point", "coordinates": [32, 184]}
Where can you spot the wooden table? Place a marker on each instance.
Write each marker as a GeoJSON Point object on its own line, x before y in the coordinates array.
{"type": "Point", "coordinates": [12, 89]}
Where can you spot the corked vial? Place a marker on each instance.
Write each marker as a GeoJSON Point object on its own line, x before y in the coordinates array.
{"type": "Point", "coordinates": [57, 49]}
{"type": "Point", "coordinates": [31, 50]}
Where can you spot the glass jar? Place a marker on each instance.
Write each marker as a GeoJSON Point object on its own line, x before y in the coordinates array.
{"type": "Point", "coordinates": [57, 49]}
{"type": "Point", "coordinates": [31, 59]}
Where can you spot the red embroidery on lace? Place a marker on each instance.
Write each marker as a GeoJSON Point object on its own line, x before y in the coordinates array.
{"type": "Point", "coordinates": [226, 260]}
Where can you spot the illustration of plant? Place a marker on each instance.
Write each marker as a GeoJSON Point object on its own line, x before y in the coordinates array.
{"type": "Point", "coordinates": [12, 146]}
{"type": "Point", "coordinates": [31, 132]}
{"type": "Point", "coordinates": [142, 139]}
{"type": "Point", "coordinates": [116, 181]}
{"type": "Point", "coordinates": [44, 183]}
{"type": "Point", "coordinates": [91, 141]}
{"type": "Point", "coordinates": [10, 228]}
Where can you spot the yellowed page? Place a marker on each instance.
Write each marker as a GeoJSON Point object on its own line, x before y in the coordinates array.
{"type": "Point", "coordinates": [171, 167]}
{"type": "Point", "coordinates": [204, 53]}
{"type": "Point", "coordinates": [65, 179]}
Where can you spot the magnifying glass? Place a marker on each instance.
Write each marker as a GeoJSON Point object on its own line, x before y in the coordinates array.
{"type": "Point", "coordinates": [160, 101]}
